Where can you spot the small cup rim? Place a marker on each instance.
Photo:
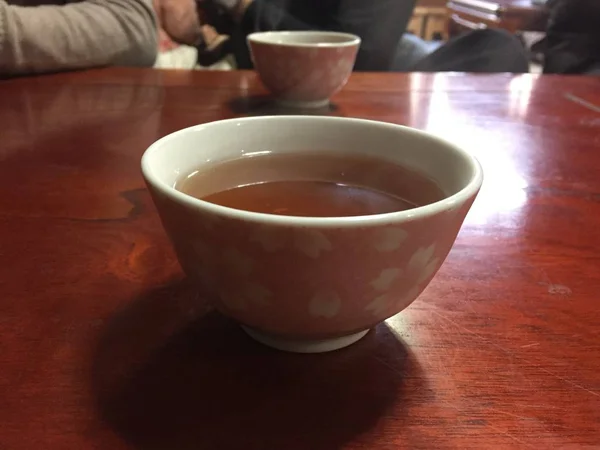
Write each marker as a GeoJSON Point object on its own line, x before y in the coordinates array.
{"type": "Point", "coordinates": [261, 37]}
{"type": "Point", "coordinates": [469, 190]}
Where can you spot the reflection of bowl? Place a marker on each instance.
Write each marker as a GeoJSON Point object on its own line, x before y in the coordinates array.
{"type": "Point", "coordinates": [303, 68]}
{"type": "Point", "coordinates": [300, 283]}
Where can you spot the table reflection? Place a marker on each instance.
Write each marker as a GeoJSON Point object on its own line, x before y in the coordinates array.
{"type": "Point", "coordinates": [35, 113]}
{"type": "Point", "coordinates": [59, 140]}
{"type": "Point", "coordinates": [492, 126]}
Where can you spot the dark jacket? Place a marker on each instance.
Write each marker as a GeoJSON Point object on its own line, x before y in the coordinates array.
{"type": "Point", "coordinates": [572, 43]}
{"type": "Point", "coordinates": [379, 23]}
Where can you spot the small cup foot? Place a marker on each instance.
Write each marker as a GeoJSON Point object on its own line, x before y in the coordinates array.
{"type": "Point", "coordinates": [303, 105]}
{"type": "Point", "coordinates": [304, 346]}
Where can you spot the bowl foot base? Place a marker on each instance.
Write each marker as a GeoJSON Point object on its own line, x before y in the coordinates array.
{"type": "Point", "coordinates": [304, 346]}
{"type": "Point", "coordinates": [303, 104]}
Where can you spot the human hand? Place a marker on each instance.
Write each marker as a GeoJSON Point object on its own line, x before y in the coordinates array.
{"type": "Point", "coordinates": [179, 19]}
{"type": "Point", "coordinates": [165, 43]}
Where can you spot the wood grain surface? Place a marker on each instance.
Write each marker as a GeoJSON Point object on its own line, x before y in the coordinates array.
{"type": "Point", "coordinates": [104, 346]}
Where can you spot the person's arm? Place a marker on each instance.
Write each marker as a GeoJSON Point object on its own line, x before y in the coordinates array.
{"type": "Point", "coordinates": [180, 20]}
{"type": "Point", "coordinates": [90, 33]}
{"type": "Point", "coordinates": [379, 23]}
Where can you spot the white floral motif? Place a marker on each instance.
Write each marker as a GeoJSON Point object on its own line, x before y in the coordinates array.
{"type": "Point", "coordinates": [420, 268]}
{"type": "Point", "coordinates": [423, 264]}
{"type": "Point", "coordinates": [390, 239]}
{"type": "Point", "coordinates": [325, 304]}
{"type": "Point", "coordinates": [329, 71]}
{"type": "Point", "coordinates": [379, 305]}
{"type": "Point", "coordinates": [385, 279]}
{"type": "Point", "coordinates": [311, 243]}
{"type": "Point", "coordinates": [269, 240]}
{"type": "Point", "coordinates": [209, 221]}
{"type": "Point", "coordinates": [387, 303]}
{"type": "Point", "coordinates": [256, 294]}
{"type": "Point", "coordinates": [316, 75]}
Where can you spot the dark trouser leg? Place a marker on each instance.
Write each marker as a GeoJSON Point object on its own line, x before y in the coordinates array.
{"type": "Point", "coordinates": [481, 51]}
{"type": "Point", "coordinates": [593, 70]}
{"type": "Point", "coordinates": [410, 51]}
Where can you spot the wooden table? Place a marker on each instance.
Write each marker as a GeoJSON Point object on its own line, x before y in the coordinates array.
{"type": "Point", "coordinates": [511, 15]}
{"type": "Point", "coordinates": [103, 346]}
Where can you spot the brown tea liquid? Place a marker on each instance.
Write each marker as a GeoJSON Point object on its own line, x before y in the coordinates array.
{"type": "Point", "coordinates": [312, 185]}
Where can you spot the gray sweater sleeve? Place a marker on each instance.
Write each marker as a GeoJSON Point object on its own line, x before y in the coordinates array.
{"type": "Point", "coordinates": [89, 33]}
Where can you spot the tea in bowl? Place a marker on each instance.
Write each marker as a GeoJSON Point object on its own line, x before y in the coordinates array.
{"type": "Point", "coordinates": [310, 230]}
{"type": "Point", "coordinates": [303, 68]}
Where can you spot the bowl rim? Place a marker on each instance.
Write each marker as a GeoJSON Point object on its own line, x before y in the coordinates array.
{"type": "Point", "coordinates": [470, 189]}
{"type": "Point", "coordinates": [262, 37]}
